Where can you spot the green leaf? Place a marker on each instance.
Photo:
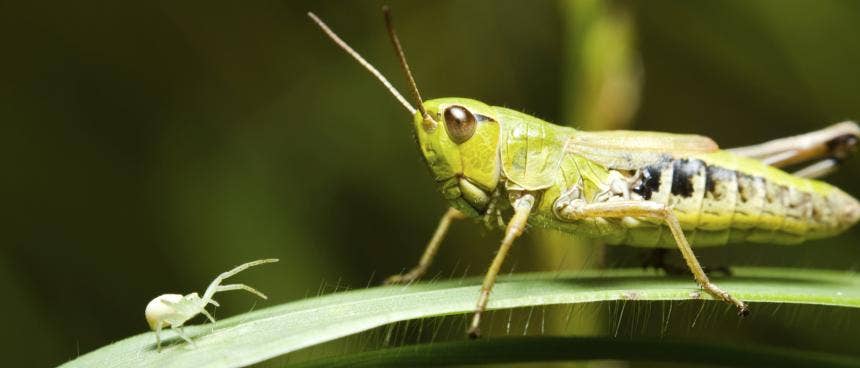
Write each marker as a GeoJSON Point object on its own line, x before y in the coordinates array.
{"type": "Point", "coordinates": [263, 334]}
{"type": "Point", "coordinates": [571, 348]}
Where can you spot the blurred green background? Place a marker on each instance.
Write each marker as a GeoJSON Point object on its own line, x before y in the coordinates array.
{"type": "Point", "coordinates": [150, 146]}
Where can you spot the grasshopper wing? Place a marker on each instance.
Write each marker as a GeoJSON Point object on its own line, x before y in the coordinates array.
{"type": "Point", "coordinates": [630, 150]}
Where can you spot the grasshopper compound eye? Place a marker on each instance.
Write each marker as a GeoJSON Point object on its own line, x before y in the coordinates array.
{"type": "Point", "coordinates": [460, 123]}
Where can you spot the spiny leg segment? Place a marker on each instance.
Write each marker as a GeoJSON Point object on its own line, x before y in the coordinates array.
{"type": "Point", "coordinates": [577, 210]}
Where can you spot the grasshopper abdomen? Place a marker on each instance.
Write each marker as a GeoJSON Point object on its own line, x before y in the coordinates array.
{"type": "Point", "coordinates": [720, 198]}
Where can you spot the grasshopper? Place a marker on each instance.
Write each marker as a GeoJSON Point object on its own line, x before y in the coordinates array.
{"type": "Point", "coordinates": [647, 189]}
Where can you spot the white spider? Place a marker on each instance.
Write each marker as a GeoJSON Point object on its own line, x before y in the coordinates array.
{"type": "Point", "coordinates": [173, 310]}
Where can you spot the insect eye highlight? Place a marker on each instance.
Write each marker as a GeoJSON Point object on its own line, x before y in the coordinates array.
{"type": "Point", "coordinates": [460, 123]}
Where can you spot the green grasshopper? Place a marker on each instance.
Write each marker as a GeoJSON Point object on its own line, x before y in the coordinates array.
{"type": "Point", "coordinates": [646, 189]}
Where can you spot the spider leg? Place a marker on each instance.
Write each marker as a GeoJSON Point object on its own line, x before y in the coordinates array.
{"type": "Point", "coordinates": [209, 316]}
{"type": "Point", "coordinates": [158, 337]}
{"type": "Point", "coordinates": [180, 330]}
{"type": "Point", "coordinates": [211, 290]}
{"type": "Point", "coordinates": [240, 287]}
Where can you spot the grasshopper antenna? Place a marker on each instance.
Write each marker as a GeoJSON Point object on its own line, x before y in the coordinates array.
{"type": "Point", "coordinates": [355, 55]}
{"type": "Point", "coordinates": [389, 24]}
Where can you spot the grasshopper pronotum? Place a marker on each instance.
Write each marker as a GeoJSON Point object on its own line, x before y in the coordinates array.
{"type": "Point", "coordinates": [644, 189]}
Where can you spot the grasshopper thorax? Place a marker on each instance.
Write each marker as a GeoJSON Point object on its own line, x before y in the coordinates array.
{"type": "Point", "coordinates": [460, 144]}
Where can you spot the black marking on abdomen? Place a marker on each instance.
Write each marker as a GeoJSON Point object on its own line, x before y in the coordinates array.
{"type": "Point", "coordinates": [649, 182]}
{"type": "Point", "coordinates": [683, 172]}
{"type": "Point", "coordinates": [715, 176]}
{"type": "Point", "coordinates": [748, 186]}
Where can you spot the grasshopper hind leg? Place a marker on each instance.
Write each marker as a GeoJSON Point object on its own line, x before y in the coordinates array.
{"type": "Point", "coordinates": [578, 210]}
{"type": "Point", "coordinates": [825, 148]}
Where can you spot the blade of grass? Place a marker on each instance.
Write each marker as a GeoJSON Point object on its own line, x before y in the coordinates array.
{"type": "Point", "coordinates": [256, 336]}
{"type": "Point", "coordinates": [569, 348]}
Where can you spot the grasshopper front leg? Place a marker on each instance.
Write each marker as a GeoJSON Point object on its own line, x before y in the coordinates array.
{"type": "Point", "coordinates": [578, 209]}
{"type": "Point", "coordinates": [429, 252]}
{"type": "Point", "coordinates": [522, 207]}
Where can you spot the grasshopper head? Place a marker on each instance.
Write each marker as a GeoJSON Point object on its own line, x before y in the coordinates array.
{"type": "Point", "coordinates": [460, 143]}
{"type": "Point", "coordinates": [458, 137]}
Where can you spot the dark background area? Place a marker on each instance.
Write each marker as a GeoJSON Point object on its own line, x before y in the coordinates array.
{"type": "Point", "coordinates": [150, 146]}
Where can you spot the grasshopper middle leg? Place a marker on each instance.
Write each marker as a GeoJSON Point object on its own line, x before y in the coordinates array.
{"type": "Point", "coordinates": [429, 252]}
{"type": "Point", "coordinates": [578, 209]}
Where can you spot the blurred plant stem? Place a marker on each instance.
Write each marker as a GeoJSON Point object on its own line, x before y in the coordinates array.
{"type": "Point", "coordinates": [602, 83]}
{"type": "Point", "coordinates": [603, 78]}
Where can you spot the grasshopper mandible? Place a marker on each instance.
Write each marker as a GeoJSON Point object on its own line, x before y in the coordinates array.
{"type": "Point", "coordinates": [645, 189]}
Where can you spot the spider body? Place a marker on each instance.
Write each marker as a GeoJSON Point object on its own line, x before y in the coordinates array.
{"type": "Point", "coordinates": [173, 310]}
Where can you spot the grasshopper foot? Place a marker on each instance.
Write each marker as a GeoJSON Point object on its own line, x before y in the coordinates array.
{"type": "Point", "coordinates": [474, 333]}
{"type": "Point", "coordinates": [720, 294]}
{"type": "Point", "coordinates": [405, 278]}
{"type": "Point", "coordinates": [743, 311]}
{"type": "Point", "coordinates": [394, 280]}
